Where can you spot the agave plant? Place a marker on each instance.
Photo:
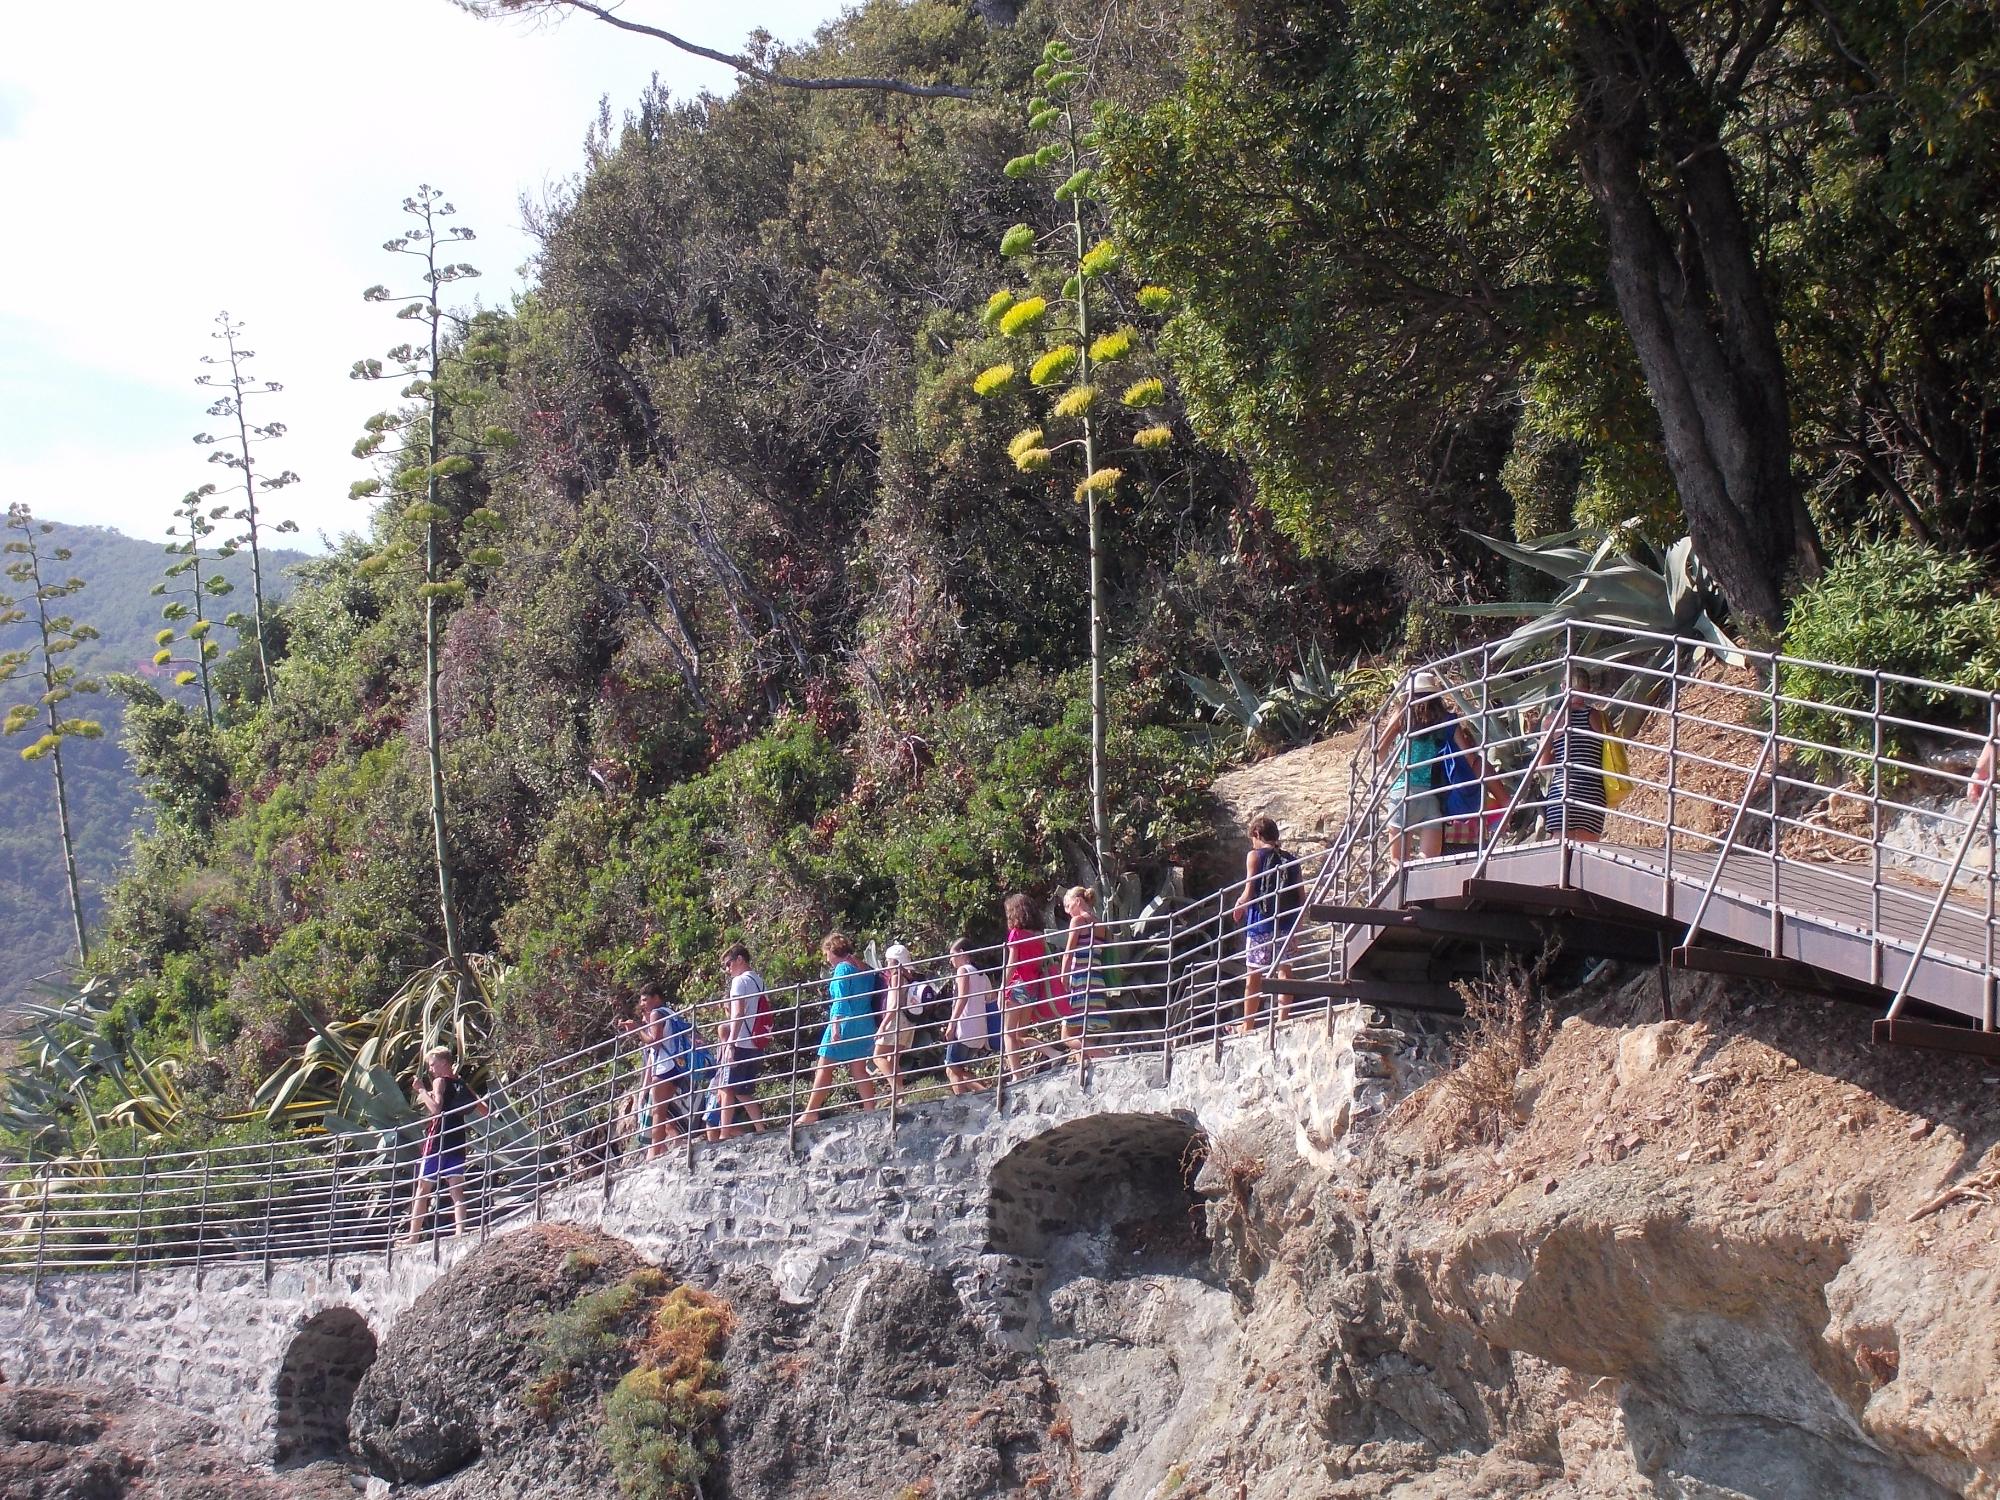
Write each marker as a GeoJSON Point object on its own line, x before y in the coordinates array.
{"type": "Point", "coordinates": [348, 1078]}
{"type": "Point", "coordinates": [75, 1077]}
{"type": "Point", "coordinates": [1302, 702]}
{"type": "Point", "coordinates": [1616, 582]}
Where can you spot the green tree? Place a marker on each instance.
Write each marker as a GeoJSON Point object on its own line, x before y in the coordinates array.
{"type": "Point", "coordinates": [53, 636]}
{"type": "Point", "coordinates": [188, 591]}
{"type": "Point", "coordinates": [239, 386]}
{"type": "Point", "coordinates": [1075, 348]}
{"type": "Point", "coordinates": [421, 465]}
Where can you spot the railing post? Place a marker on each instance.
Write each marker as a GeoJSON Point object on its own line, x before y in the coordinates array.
{"type": "Point", "coordinates": [1777, 829]}
{"type": "Point", "coordinates": [613, 1147]}
{"type": "Point", "coordinates": [41, 1232]}
{"type": "Point", "coordinates": [201, 1217]}
{"type": "Point", "coordinates": [1673, 776]}
{"type": "Point", "coordinates": [1875, 839]}
{"type": "Point", "coordinates": [1167, 1001]}
{"type": "Point", "coordinates": [1988, 1020]}
{"type": "Point", "coordinates": [792, 1082]}
{"type": "Point", "coordinates": [332, 1206]}
{"type": "Point", "coordinates": [1562, 712]}
{"type": "Point", "coordinates": [541, 1128]}
{"type": "Point", "coordinates": [270, 1191]}
{"type": "Point", "coordinates": [139, 1217]}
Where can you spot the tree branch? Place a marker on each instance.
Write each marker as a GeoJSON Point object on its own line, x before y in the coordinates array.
{"type": "Point", "coordinates": [610, 17]}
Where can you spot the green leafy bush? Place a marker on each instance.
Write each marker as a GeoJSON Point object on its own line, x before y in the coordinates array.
{"type": "Point", "coordinates": [1893, 606]}
{"type": "Point", "coordinates": [661, 1420]}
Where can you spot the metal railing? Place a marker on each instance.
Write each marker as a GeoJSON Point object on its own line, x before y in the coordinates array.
{"type": "Point", "coordinates": [1159, 985]}
{"type": "Point", "coordinates": [1833, 807]}
{"type": "Point", "coordinates": [1737, 786]}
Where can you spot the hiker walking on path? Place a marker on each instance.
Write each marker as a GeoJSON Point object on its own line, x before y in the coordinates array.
{"type": "Point", "coordinates": [1083, 969]}
{"type": "Point", "coordinates": [746, 1029]}
{"type": "Point", "coordinates": [972, 1032]}
{"type": "Point", "coordinates": [1269, 878]}
{"type": "Point", "coordinates": [1025, 986]}
{"type": "Point", "coordinates": [669, 1058]}
{"type": "Point", "coordinates": [1576, 800]}
{"type": "Point", "coordinates": [1414, 803]}
{"type": "Point", "coordinates": [449, 1101]}
{"type": "Point", "coordinates": [896, 1027]}
{"type": "Point", "coordinates": [850, 1027]}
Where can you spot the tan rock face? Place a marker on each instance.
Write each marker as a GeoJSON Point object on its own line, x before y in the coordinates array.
{"type": "Point", "coordinates": [1739, 1254]}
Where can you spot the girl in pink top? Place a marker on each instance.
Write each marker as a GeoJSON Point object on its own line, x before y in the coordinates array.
{"type": "Point", "coordinates": [1024, 987]}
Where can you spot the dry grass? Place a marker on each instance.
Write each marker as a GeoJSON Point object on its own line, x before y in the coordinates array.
{"type": "Point", "coordinates": [1508, 1028]}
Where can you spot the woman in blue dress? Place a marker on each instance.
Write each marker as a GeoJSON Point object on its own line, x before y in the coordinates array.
{"type": "Point", "coordinates": [849, 1039]}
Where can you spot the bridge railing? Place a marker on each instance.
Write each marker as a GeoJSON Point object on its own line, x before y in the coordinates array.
{"type": "Point", "coordinates": [1835, 804]}
{"type": "Point", "coordinates": [1171, 980]}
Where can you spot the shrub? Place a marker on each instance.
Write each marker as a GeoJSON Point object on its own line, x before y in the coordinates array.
{"type": "Point", "coordinates": [590, 1333]}
{"type": "Point", "coordinates": [1898, 607]}
{"type": "Point", "coordinates": [660, 1421]}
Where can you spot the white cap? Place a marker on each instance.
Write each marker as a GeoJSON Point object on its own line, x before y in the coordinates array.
{"type": "Point", "coordinates": [898, 956]}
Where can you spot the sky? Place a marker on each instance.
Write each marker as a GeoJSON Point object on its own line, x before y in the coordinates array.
{"type": "Point", "coordinates": [162, 163]}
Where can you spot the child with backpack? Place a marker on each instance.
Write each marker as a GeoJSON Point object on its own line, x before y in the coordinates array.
{"type": "Point", "coordinates": [972, 1032]}
{"type": "Point", "coordinates": [1269, 901]}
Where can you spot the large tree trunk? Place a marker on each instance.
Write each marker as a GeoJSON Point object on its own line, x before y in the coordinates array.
{"type": "Point", "coordinates": [1692, 300]}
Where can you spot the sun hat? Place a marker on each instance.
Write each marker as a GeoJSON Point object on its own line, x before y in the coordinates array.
{"type": "Point", "coordinates": [1426, 682]}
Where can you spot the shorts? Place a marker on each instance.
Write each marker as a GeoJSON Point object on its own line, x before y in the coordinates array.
{"type": "Point", "coordinates": [739, 1074]}
{"type": "Point", "coordinates": [1410, 807]}
{"type": "Point", "coordinates": [965, 1054]}
{"type": "Point", "coordinates": [1261, 941]}
{"type": "Point", "coordinates": [442, 1164]}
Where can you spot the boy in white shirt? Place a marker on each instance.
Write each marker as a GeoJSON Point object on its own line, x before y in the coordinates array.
{"type": "Point", "coordinates": [745, 1026]}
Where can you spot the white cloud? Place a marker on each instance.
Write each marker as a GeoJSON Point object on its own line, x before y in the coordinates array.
{"type": "Point", "coordinates": [162, 162]}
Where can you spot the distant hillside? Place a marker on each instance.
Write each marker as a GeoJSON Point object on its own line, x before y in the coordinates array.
{"type": "Point", "coordinates": [105, 805]}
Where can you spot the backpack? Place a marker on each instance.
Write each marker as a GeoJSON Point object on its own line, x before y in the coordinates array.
{"type": "Point", "coordinates": [1277, 890]}
{"type": "Point", "coordinates": [1461, 785]}
{"type": "Point", "coordinates": [760, 1018]}
{"type": "Point", "coordinates": [876, 987]}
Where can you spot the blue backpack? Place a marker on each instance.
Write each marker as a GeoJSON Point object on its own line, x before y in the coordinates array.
{"type": "Point", "coordinates": [1461, 784]}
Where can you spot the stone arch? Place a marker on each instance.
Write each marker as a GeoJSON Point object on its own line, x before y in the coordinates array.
{"type": "Point", "coordinates": [323, 1364]}
{"type": "Point", "coordinates": [1111, 1171]}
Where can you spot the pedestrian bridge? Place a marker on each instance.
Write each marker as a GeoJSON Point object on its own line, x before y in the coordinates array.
{"type": "Point", "coordinates": [1786, 820]}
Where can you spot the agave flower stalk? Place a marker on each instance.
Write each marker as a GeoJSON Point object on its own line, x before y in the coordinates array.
{"type": "Point", "coordinates": [1064, 371]}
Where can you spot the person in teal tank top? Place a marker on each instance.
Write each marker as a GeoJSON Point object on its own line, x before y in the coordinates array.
{"type": "Point", "coordinates": [849, 1038]}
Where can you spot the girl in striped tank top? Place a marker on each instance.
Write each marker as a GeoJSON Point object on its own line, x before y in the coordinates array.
{"type": "Point", "coordinates": [1575, 807]}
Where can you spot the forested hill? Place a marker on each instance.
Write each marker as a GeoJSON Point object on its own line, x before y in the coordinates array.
{"type": "Point", "coordinates": [106, 807]}
{"type": "Point", "coordinates": [744, 557]}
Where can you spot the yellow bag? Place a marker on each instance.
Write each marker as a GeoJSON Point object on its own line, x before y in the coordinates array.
{"type": "Point", "coordinates": [1617, 780]}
